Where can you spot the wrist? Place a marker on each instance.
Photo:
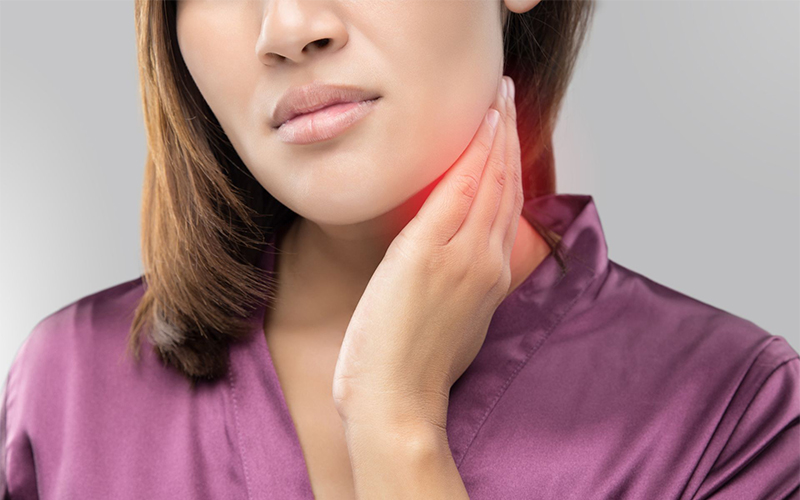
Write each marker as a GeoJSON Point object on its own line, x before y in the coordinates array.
{"type": "Point", "coordinates": [402, 458]}
{"type": "Point", "coordinates": [402, 415]}
{"type": "Point", "coordinates": [399, 438]}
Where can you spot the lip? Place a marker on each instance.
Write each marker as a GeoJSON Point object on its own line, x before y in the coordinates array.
{"type": "Point", "coordinates": [314, 96]}
{"type": "Point", "coordinates": [324, 123]}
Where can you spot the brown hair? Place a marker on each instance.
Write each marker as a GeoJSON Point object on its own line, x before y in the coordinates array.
{"type": "Point", "coordinates": [205, 219]}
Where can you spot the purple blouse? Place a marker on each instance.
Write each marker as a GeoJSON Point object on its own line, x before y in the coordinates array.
{"type": "Point", "coordinates": [600, 383]}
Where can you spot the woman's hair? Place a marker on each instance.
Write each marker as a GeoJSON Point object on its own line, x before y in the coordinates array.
{"type": "Point", "coordinates": [206, 220]}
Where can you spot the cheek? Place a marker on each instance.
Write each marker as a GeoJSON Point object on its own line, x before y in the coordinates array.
{"type": "Point", "coordinates": [447, 58]}
{"type": "Point", "coordinates": [437, 73]}
{"type": "Point", "coordinates": [218, 60]}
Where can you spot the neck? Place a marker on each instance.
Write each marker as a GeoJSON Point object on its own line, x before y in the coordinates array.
{"type": "Point", "coordinates": [322, 273]}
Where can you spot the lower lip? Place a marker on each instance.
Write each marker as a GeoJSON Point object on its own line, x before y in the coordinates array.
{"type": "Point", "coordinates": [325, 123]}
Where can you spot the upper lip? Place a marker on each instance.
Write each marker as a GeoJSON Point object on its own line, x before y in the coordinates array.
{"type": "Point", "coordinates": [314, 96]}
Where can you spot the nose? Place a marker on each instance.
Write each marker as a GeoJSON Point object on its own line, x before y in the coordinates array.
{"type": "Point", "coordinates": [295, 30]}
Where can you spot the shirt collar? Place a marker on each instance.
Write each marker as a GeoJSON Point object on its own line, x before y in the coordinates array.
{"type": "Point", "coordinates": [529, 315]}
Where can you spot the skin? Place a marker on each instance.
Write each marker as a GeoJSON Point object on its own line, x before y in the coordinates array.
{"type": "Point", "coordinates": [423, 318]}
{"type": "Point", "coordinates": [437, 66]}
{"type": "Point", "coordinates": [355, 192]}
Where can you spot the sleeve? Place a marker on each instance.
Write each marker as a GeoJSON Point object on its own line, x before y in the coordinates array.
{"type": "Point", "coordinates": [17, 471]}
{"type": "Point", "coordinates": [761, 456]}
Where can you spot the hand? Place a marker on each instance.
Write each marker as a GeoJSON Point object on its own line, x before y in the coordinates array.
{"type": "Point", "coordinates": [425, 312]}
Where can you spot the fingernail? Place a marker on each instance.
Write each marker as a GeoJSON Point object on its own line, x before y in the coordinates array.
{"type": "Point", "coordinates": [494, 115]}
{"type": "Point", "coordinates": [511, 87]}
{"type": "Point", "coordinates": [503, 88]}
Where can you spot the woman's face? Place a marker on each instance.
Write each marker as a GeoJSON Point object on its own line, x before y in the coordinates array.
{"type": "Point", "coordinates": [436, 63]}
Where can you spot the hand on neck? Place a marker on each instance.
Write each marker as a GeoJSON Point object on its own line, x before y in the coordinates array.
{"type": "Point", "coordinates": [322, 275]}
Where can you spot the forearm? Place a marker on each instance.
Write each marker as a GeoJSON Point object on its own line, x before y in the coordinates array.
{"type": "Point", "coordinates": [402, 461]}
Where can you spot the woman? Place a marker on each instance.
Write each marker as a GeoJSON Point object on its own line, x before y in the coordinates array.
{"type": "Point", "coordinates": [357, 303]}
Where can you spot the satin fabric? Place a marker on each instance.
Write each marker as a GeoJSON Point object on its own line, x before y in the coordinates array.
{"type": "Point", "coordinates": [599, 383]}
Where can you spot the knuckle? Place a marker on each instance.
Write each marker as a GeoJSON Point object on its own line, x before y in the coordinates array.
{"type": "Point", "coordinates": [500, 280]}
{"type": "Point", "coordinates": [498, 259]}
{"type": "Point", "coordinates": [498, 169]}
{"type": "Point", "coordinates": [498, 265]}
{"type": "Point", "coordinates": [493, 274]}
{"type": "Point", "coordinates": [408, 245]}
{"type": "Point", "coordinates": [504, 278]}
{"type": "Point", "coordinates": [504, 282]}
{"type": "Point", "coordinates": [467, 184]}
{"type": "Point", "coordinates": [489, 266]}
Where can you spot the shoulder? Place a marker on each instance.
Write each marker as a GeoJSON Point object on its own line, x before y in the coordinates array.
{"type": "Point", "coordinates": [84, 327]}
{"type": "Point", "coordinates": [672, 323]}
{"type": "Point", "coordinates": [57, 378]}
{"type": "Point", "coordinates": [709, 364]}
{"type": "Point", "coordinates": [670, 359]}
{"type": "Point", "coordinates": [638, 379]}
{"type": "Point", "coordinates": [82, 336]}
{"type": "Point", "coordinates": [727, 390]}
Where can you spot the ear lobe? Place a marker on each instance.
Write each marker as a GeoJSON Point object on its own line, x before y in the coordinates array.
{"type": "Point", "coordinates": [518, 6]}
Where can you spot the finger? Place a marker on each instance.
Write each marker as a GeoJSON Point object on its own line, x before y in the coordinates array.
{"type": "Point", "coordinates": [500, 223]}
{"type": "Point", "coordinates": [447, 205]}
{"type": "Point", "coordinates": [512, 208]}
{"type": "Point", "coordinates": [478, 223]}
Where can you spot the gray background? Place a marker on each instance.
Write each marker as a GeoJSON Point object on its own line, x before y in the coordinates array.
{"type": "Point", "coordinates": [682, 121]}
